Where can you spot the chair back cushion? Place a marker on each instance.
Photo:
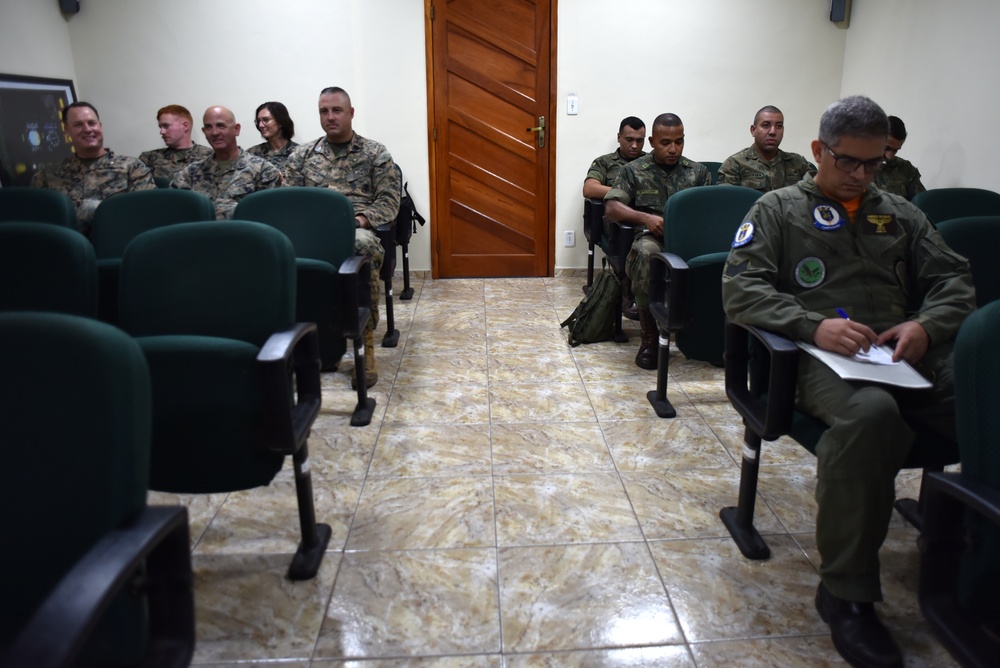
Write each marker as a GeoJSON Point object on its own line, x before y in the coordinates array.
{"type": "Point", "coordinates": [318, 221]}
{"type": "Point", "coordinates": [942, 204]}
{"type": "Point", "coordinates": [704, 219]}
{"type": "Point", "coordinates": [227, 279]}
{"type": "Point", "coordinates": [75, 415]}
{"type": "Point", "coordinates": [45, 267]}
{"type": "Point", "coordinates": [39, 205]}
{"type": "Point", "coordinates": [119, 219]}
{"type": "Point", "coordinates": [977, 238]}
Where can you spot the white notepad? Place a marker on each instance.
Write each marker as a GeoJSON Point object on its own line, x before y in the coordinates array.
{"type": "Point", "coordinates": [875, 366]}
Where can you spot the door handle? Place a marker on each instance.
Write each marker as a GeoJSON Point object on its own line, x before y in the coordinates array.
{"type": "Point", "coordinates": [540, 130]}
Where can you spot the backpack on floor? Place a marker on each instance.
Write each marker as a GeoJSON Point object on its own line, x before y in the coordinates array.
{"type": "Point", "coordinates": [593, 319]}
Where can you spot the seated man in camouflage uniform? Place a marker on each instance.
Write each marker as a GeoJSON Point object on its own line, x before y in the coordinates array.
{"type": "Point", "coordinates": [93, 173]}
{"type": "Point", "coordinates": [836, 243]}
{"type": "Point", "coordinates": [898, 176]}
{"type": "Point", "coordinates": [231, 173]}
{"type": "Point", "coordinates": [764, 166]}
{"type": "Point", "coordinates": [603, 172]}
{"type": "Point", "coordinates": [175, 129]}
{"type": "Point", "coordinates": [364, 172]}
{"type": "Point", "coordinates": [637, 197]}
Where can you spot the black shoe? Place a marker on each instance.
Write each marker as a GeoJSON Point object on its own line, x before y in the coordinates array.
{"type": "Point", "coordinates": [647, 356]}
{"type": "Point", "coordinates": [857, 633]}
{"type": "Point", "coordinates": [629, 310]}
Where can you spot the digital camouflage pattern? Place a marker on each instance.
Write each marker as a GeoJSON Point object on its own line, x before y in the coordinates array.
{"type": "Point", "coordinates": [229, 182]}
{"type": "Point", "coordinates": [89, 182]}
{"type": "Point", "coordinates": [899, 177]}
{"type": "Point", "coordinates": [748, 169]}
{"type": "Point", "coordinates": [166, 162]}
{"type": "Point", "coordinates": [367, 176]}
{"type": "Point", "coordinates": [277, 158]}
{"type": "Point", "coordinates": [645, 185]}
{"type": "Point", "coordinates": [606, 168]}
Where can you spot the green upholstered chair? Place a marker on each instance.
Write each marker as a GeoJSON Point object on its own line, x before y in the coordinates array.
{"type": "Point", "coordinates": [161, 181]}
{"type": "Point", "coordinates": [39, 205]}
{"type": "Point", "coordinates": [713, 169]}
{"type": "Point", "coordinates": [92, 575]}
{"type": "Point", "coordinates": [761, 376]}
{"type": "Point", "coordinates": [46, 268]}
{"type": "Point", "coordinates": [959, 587]}
{"type": "Point", "coordinates": [212, 305]}
{"type": "Point", "coordinates": [119, 219]}
{"type": "Point", "coordinates": [685, 290]}
{"type": "Point", "coordinates": [333, 283]}
{"type": "Point", "coordinates": [977, 239]}
{"type": "Point", "coordinates": [941, 204]}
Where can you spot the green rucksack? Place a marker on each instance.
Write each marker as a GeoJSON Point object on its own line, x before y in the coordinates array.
{"type": "Point", "coordinates": [593, 319]}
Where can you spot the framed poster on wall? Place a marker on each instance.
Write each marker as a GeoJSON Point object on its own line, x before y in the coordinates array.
{"type": "Point", "coordinates": [31, 128]}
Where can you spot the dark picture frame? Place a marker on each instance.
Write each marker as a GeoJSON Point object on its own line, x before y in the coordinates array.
{"type": "Point", "coordinates": [31, 128]}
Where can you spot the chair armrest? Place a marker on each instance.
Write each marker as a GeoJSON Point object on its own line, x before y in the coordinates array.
{"type": "Point", "coordinates": [768, 412]}
{"type": "Point", "coordinates": [289, 415]}
{"type": "Point", "coordinates": [355, 294]}
{"type": "Point", "coordinates": [60, 627]}
{"type": "Point", "coordinates": [972, 494]}
{"type": "Point", "coordinates": [669, 291]}
{"type": "Point", "coordinates": [593, 219]}
{"type": "Point", "coordinates": [386, 234]}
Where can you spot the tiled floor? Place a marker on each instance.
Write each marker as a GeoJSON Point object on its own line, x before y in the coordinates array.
{"type": "Point", "coordinates": [515, 502]}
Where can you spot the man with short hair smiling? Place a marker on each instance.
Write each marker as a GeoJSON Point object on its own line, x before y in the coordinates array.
{"type": "Point", "coordinates": [93, 173]}
{"type": "Point", "coordinates": [637, 197]}
{"type": "Point", "coordinates": [363, 171]}
{"type": "Point", "coordinates": [230, 174]}
{"type": "Point", "coordinates": [808, 255]}
{"type": "Point", "coordinates": [175, 125]}
{"type": "Point", "coordinates": [763, 166]}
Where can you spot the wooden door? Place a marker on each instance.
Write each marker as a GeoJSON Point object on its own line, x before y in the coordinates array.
{"type": "Point", "coordinates": [491, 79]}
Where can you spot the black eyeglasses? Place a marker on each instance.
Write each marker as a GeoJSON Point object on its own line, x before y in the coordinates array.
{"type": "Point", "coordinates": [846, 163]}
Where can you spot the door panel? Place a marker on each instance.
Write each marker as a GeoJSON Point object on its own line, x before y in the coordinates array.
{"type": "Point", "coordinates": [491, 79]}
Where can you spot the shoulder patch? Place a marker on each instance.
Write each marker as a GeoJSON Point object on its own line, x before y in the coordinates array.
{"type": "Point", "coordinates": [744, 235]}
{"type": "Point", "coordinates": [734, 269]}
{"type": "Point", "coordinates": [826, 218]}
{"type": "Point", "coordinates": [810, 272]}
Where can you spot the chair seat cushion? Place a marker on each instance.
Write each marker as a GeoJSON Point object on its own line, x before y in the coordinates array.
{"type": "Point", "coordinates": [202, 387]}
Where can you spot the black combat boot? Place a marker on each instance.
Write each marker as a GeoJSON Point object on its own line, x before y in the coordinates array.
{"type": "Point", "coordinates": [628, 300]}
{"type": "Point", "coordinates": [649, 346]}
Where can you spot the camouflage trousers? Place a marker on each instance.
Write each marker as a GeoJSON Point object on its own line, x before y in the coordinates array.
{"type": "Point", "coordinates": [637, 266]}
{"type": "Point", "coordinates": [366, 243]}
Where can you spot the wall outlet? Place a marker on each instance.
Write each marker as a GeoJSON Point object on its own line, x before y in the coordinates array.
{"type": "Point", "coordinates": [570, 239]}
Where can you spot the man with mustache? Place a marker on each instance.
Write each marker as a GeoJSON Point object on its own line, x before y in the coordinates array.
{"type": "Point", "coordinates": [764, 166]}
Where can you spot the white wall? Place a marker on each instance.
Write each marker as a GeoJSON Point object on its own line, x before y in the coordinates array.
{"type": "Point", "coordinates": [926, 61]}
{"type": "Point", "coordinates": [932, 64]}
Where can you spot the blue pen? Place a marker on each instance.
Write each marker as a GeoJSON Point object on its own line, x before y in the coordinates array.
{"type": "Point", "coordinates": [843, 314]}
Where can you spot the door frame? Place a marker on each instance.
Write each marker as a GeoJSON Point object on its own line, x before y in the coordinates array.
{"type": "Point", "coordinates": [551, 134]}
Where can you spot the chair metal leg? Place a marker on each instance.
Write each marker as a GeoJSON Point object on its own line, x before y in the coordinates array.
{"type": "Point", "coordinates": [315, 537]}
{"type": "Point", "coordinates": [407, 293]}
{"type": "Point", "coordinates": [391, 338]}
{"type": "Point", "coordinates": [618, 336]}
{"type": "Point", "coordinates": [363, 412]}
{"type": "Point", "coordinates": [658, 397]}
{"type": "Point", "coordinates": [590, 267]}
{"type": "Point", "coordinates": [739, 519]}
{"type": "Point", "coordinates": [912, 510]}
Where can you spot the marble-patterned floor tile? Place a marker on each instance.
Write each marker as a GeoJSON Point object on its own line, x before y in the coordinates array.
{"type": "Point", "coordinates": [430, 450]}
{"type": "Point", "coordinates": [481, 661]}
{"type": "Point", "coordinates": [617, 400]}
{"type": "Point", "coordinates": [424, 513]}
{"type": "Point", "coordinates": [710, 398]}
{"type": "Point", "coordinates": [555, 402]}
{"type": "Point", "coordinates": [534, 318]}
{"type": "Point", "coordinates": [813, 650]}
{"type": "Point", "coordinates": [201, 508]}
{"type": "Point", "coordinates": [613, 362]}
{"type": "Point", "coordinates": [422, 602]}
{"type": "Point", "coordinates": [529, 342]}
{"type": "Point", "coordinates": [564, 447]}
{"type": "Point", "coordinates": [565, 597]}
{"type": "Point", "coordinates": [339, 405]}
{"type": "Point", "coordinates": [337, 448]}
{"type": "Point", "coordinates": [457, 319]}
{"type": "Point", "coordinates": [682, 369]}
{"type": "Point", "coordinates": [718, 594]}
{"type": "Point", "coordinates": [790, 491]}
{"type": "Point", "coordinates": [686, 504]}
{"type": "Point", "coordinates": [562, 508]}
{"type": "Point", "coordinates": [665, 445]}
{"type": "Point", "coordinates": [445, 341]}
{"type": "Point", "coordinates": [436, 404]}
{"type": "Point", "coordinates": [781, 452]}
{"type": "Point", "coordinates": [265, 520]}
{"type": "Point", "coordinates": [546, 367]}
{"type": "Point", "coordinates": [443, 369]}
{"type": "Point", "coordinates": [666, 656]}
{"type": "Point", "coordinates": [247, 609]}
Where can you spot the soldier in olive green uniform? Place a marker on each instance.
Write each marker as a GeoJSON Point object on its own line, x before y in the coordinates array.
{"type": "Point", "coordinates": [764, 166]}
{"type": "Point", "coordinates": [898, 176]}
{"type": "Point", "coordinates": [837, 242]}
{"type": "Point", "coordinates": [637, 197]}
{"type": "Point", "coordinates": [94, 173]}
{"type": "Point", "coordinates": [363, 171]}
{"type": "Point", "coordinates": [175, 125]}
